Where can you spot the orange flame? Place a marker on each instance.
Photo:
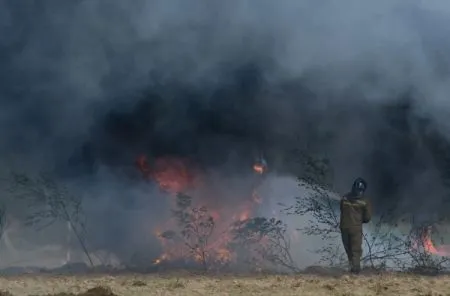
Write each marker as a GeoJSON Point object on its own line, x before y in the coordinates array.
{"type": "Point", "coordinates": [171, 174]}
{"type": "Point", "coordinates": [259, 168]}
{"type": "Point", "coordinates": [175, 176]}
{"type": "Point", "coordinates": [429, 247]}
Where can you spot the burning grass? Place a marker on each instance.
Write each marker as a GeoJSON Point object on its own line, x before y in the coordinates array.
{"type": "Point", "coordinates": [184, 284]}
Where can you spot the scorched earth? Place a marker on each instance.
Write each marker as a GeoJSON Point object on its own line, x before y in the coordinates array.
{"type": "Point", "coordinates": [190, 285]}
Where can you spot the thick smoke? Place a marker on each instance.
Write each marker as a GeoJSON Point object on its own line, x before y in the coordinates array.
{"type": "Point", "coordinates": [86, 86]}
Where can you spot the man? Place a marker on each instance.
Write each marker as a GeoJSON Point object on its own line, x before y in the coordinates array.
{"type": "Point", "coordinates": [355, 211]}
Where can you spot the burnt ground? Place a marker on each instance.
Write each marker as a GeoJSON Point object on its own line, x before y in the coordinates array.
{"type": "Point", "coordinates": [190, 285]}
{"type": "Point", "coordinates": [78, 280]}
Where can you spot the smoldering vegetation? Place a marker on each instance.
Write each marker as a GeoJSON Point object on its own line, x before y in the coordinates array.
{"type": "Point", "coordinates": [87, 86]}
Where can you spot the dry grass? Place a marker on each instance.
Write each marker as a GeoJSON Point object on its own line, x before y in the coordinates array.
{"type": "Point", "coordinates": [190, 285]}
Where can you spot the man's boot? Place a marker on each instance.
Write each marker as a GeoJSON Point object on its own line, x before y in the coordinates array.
{"type": "Point", "coordinates": [355, 266]}
{"type": "Point", "coordinates": [350, 262]}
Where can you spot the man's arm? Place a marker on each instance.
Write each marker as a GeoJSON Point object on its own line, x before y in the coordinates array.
{"type": "Point", "coordinates": [367, 212]}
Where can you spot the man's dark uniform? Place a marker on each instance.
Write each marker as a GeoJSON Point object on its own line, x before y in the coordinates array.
{"type": "Point", "coordinates": [355, 211]}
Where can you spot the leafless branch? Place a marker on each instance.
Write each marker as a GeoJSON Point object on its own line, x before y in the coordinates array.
{"type": "Point", "coordinates": [49, 202]}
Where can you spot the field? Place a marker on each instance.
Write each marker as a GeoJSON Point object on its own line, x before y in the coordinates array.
{"type": "Point", "coordinates": [190, 285]}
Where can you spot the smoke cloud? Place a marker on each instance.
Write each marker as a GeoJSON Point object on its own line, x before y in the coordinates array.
{"type": "Point", "coordinates": [86, 86]}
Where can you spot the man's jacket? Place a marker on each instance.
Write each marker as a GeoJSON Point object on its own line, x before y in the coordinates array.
{"type": "Point", "coordinates": [355, 211]}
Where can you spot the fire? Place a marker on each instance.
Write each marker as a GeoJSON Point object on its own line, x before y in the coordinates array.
{"type": "Point", "coordinates": [429, 247]}
{"type": "Point", "coordinates": [175, 176]}
{"type": "Point", "coordinates": [171, 174]}
{"type": "Point", "coordinates": [244, 216]}
{"type": "Point", "coordinates": [260, 166]}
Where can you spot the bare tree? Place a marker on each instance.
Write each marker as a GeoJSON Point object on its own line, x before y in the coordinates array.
{"type": "Point", "coordinates": [264, 240]}
{"type": "Point", "coordinates": [196, 227]}
{"type": "Point", "coordinates": [49, 202]}
{"type": "Point", "coordinates": [322, 221]}
{"type": "Point", "coordinates": [257, 240]}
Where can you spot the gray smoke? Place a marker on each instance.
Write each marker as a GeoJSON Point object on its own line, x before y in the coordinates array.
{"type": "Point", "coordinates": [86, 86]}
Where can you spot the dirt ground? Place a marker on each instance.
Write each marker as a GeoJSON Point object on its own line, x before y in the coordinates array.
{"type": "Point", "coordinates": [127, 285]}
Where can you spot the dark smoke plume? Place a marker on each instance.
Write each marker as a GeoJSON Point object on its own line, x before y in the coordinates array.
{"type": "Point", "coordinates": [86, 86]}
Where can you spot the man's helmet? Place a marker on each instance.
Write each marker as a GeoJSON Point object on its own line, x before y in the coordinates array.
{"type": "Point", "coordinates": [359, 186]}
